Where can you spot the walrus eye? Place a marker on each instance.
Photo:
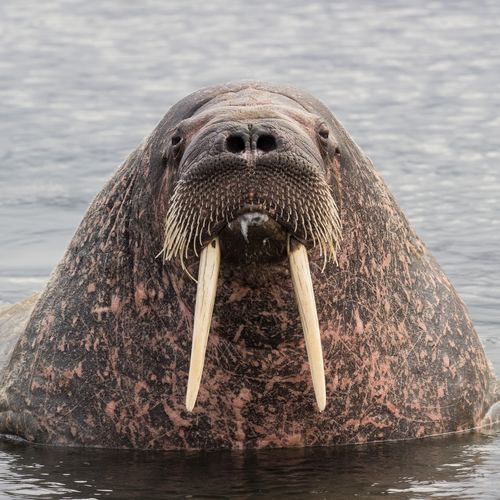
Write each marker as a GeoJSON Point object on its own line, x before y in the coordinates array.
{"type": "Point", "coordinates": [323, 132]}
{"type": "Point", "coordinates": [177, 143]}
{"type": "Point", "coordinates": [323, 140]}
{"type": "Point", "coordinates": [176, 139]}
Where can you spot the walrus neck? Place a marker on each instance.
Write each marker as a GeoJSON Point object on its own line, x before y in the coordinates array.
{"type": "Point", "coordinates": [255, 274]}
{"type": "Point", "coordinates": [248, 299]}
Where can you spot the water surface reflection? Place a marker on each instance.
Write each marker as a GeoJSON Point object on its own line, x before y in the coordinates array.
{"type": "Point", "coordinates": [465, 466]}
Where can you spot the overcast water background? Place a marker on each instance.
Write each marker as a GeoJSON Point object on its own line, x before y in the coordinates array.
{"type": "Point", "coordinates": [415, 83]}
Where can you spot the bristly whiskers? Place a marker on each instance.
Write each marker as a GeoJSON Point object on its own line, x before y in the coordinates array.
{"type": "Point", "coordinates": [211, 195]}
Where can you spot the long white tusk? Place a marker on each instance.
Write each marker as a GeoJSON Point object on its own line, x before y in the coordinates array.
{"type": "Point", "coordinates": [302, 284]}
{"type": "Point", "coordinates": [205, 298]}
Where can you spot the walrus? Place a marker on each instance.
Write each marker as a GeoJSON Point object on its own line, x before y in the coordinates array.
{"type": "Point", "coordinates": [244, 280]}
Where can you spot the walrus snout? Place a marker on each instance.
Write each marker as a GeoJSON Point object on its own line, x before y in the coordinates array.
{"type": "Point", "coordinates": [270, 165]}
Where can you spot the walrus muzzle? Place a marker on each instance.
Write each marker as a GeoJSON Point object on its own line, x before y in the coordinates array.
{"type": "Point", "coordinates": [282, 184]}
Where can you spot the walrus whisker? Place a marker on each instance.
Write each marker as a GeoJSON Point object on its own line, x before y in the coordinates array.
{"type": "Point", "coordinates": [324, 234]}
{"type": "Point", "coordinates": [312, 232]}
{"type": "Point", "coordinates": [325, 261]}
{"type": "Point", "coordinates": [185, 269]}
{"type": "Point", "coordinates": [193, 232]}
{"type": "Point", "coordinates": [203, 197]}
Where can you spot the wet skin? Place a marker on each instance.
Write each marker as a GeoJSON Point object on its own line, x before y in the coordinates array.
{"type": "Point", "coordinates": [104, 358]}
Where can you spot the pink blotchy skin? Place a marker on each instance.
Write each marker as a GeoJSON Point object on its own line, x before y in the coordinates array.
{"type": "Point", "coordinates": [104, 359]}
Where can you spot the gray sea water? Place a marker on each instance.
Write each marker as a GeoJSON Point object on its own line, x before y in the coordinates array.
{"type": "Point", "coordinates": [417, 84]}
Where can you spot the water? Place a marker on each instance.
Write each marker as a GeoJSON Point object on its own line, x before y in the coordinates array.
{"type": "Point", "coordinates": [454, 467]}
{"type": "Point", "coordinates": [416, 84]}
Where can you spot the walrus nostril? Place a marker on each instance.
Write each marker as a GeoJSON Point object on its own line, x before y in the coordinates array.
{"type": "Point", "coordinates": [266, 143]}
{"type": "Point", "coordinates": [235, 144]}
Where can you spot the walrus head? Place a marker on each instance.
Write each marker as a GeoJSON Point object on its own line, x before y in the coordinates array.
{"type": "Point", "coordinates": [252, 183]}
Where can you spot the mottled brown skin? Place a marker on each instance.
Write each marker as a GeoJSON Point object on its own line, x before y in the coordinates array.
{"type": "Point", "coordinates": [104, 359]}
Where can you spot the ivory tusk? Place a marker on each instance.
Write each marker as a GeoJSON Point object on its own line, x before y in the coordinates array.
{"type": "Point", "coordinates": [205, 298]}
{"type": "Point", "coordinates": [304, 293]}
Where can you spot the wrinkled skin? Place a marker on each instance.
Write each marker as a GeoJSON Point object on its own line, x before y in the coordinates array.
{"type": "Point", "coordinates": [104, 358]}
